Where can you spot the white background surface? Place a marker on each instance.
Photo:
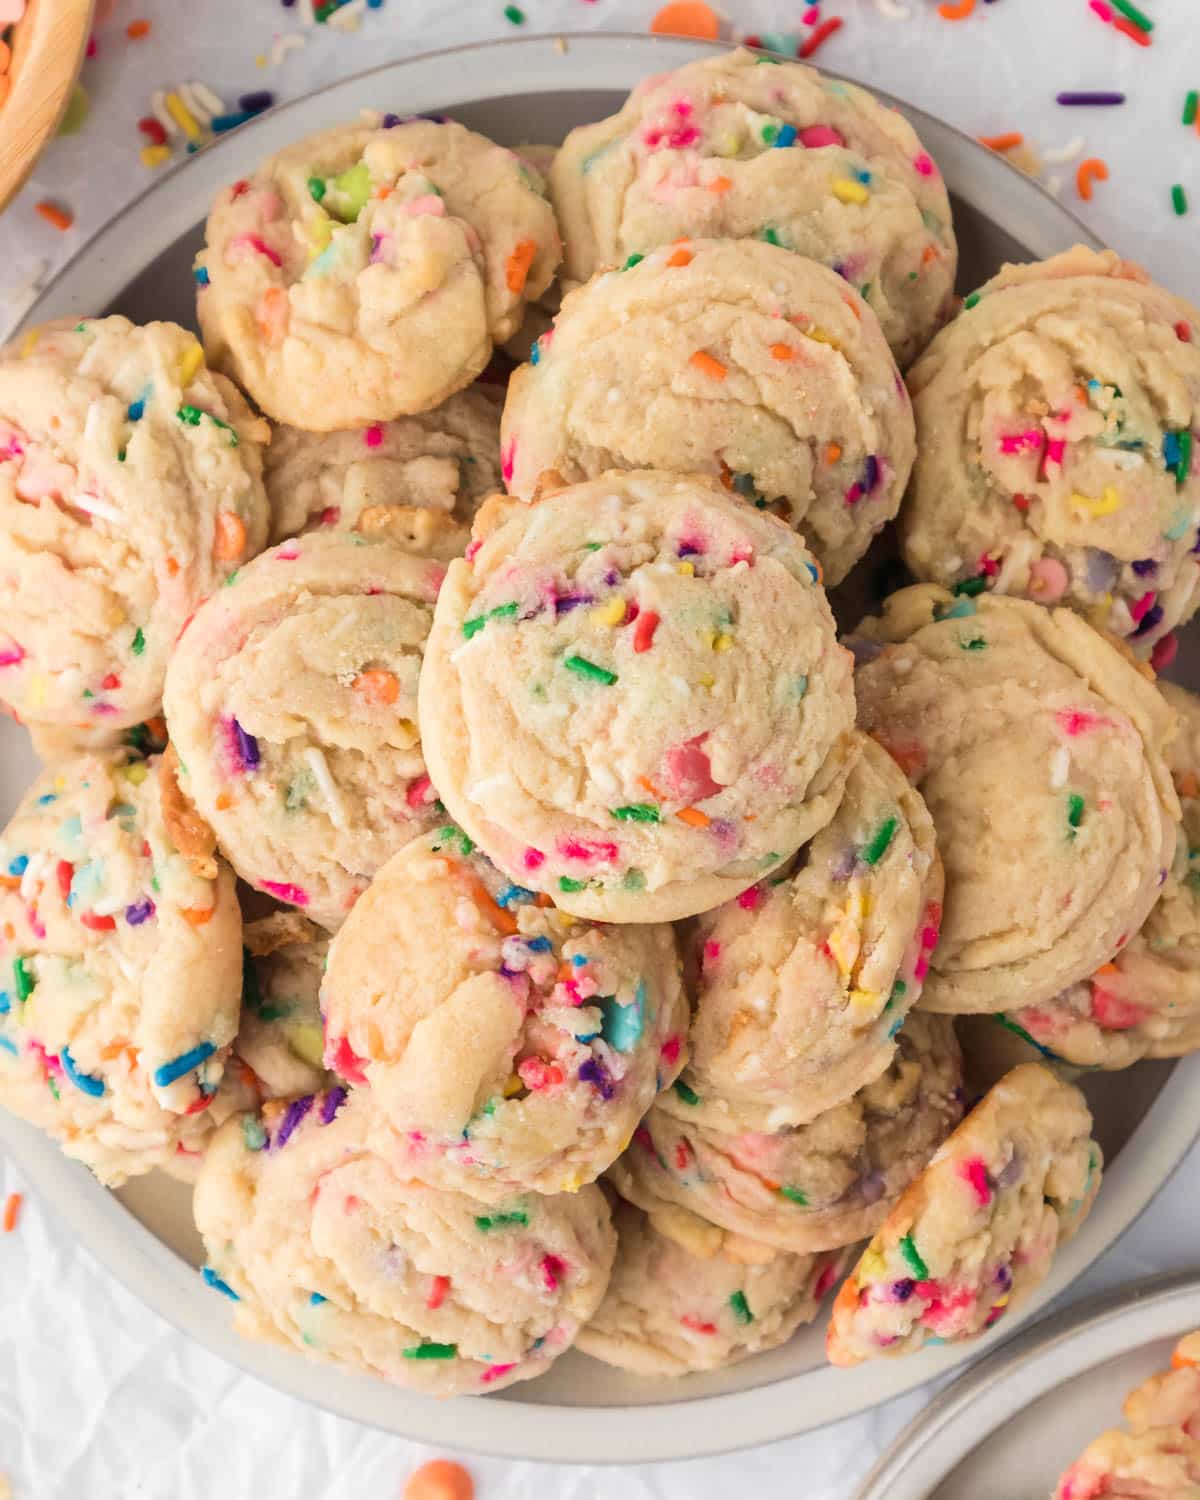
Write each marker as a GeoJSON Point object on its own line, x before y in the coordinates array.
{"type": "Point", "coordinates": [98, 1397]}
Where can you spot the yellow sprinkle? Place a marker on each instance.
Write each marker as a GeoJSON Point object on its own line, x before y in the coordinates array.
{"type": "Point", "coordinates": [722, 643]}
{"type": "Point", "coordinates": [1001, 1301]}
{"type": "Point", "coordinates": [307, 1042]}
{"type": "Point", "coordinates": [573, 1184]}
{"type": "Point", "coordinates": [182, 116]}
{"type": "Point", "coordinates": [871, 1265]}
{"type": "Point", "coordinates": [154, 156]}
{"type": "Point", "coordinates": [612, 612]}
{"type": "Point", "coordinates": [261, 60]}
{"type": "Point", "coordinates": [728, 145]}
{"type": "Point", "coordinates": [29, 342]}
{"type": "Point", "coordinates": [706, 682]}
{"type": "Point", "coordinates": [136, 772]}
{"type": "Point", "coordinates": [856, 905]}
{"type": "Point", "coordinates": [59, 783]}
{"type": "Point", "coordinates": [512, 1086]}
{"type": "Point", "coordinates": [320, 232]}
{"type": "Point", "coordinates": [865, 999]}
{"type": "Point", "coordinates": [36, 696]}
{"type": "Point", "coordinates": [1105, 506]}
{"type": "Point", "coordinates": [189, 364]}
{"type": "Point", "coordinates": [821, 336]}
{"type": "Point", "coordinates": [846, 190]}
{"type": "Point", "coordinates": [844, 943]}
{"type": "Point", "coordinates": [686, 568]}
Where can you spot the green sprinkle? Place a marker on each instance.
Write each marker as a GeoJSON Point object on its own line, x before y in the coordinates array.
{"type": "Point", "coordinates": [514, 14]}
{"type": "Point", "coordinates": [485, 1222]}
{"type": "Point", "coordinates": [592, 546]}
{"type": "Point", "coordinates": [688, 1095]}
{"type": "Point", "coordinates": [877, 848]}
{"type": "Point", "coordinates": [794, 1195]}
{"type": "Point", "coordinates": [452, 834]}
{"type": "Point", "coordinates": [634, 880]}
{"type": "Point", "coordinates": [254, 1137]}
{"type": "Point", "coordinates": [976, 643]}
{"type": "Point", "coordinates": [316, 188]}
{"type": "Point", "coordinates": [474, 626]}
{"type": "Point", "coordinates": [22, 979]}
{"type": "Point", "coordinates": [770, 236]}
{"type": "Point", "coordinates": [584, 668]}
{"type": "Point", "coordinates": [1139, 18]}
{"type": "Point", "coordinates": [139, 642]}
{"type": "Point", "coordinates": [1020, 1031]}
{"type": "Point", "coordinates": [1190, 103]}
{"type": "Point", "coordinates": [741, 1308]}
{"type": "Point", "coordinates": [501, 612]}
{"type": "Point", "coordinates": [120, 455]}
{"type": "Point", "coordinates": [637, 812]}
{"type": "Point", "coordinates": [569, 886]}
{"type": "Point", "coordinates": [1179, 199]}
{"type": "Point", "coordinates": [971, 586]}
{"type": "Point", "coordinates": [634, 260]}
{"type": "Point", "coordinates": [190, 414]}
{"type": "Point", "coordinates": [912, 1258]}
{"type": "Point", "coordinates": [971, 301]}
{"type": "Point", "coordinates": [432, 1351]}
{"type": "Point", "coordinates": [769, 131]}
{"type": "Point", "coordinates": [1183, 464]}
{"type": "Point", "coordinates": [232, 579]}
{"type": "Point", "coordinates": [1075, 806]}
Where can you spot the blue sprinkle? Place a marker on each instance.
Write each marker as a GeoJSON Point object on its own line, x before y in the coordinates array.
{"type": "Point", "coordinates": [513, 895]}
{"type": "Point", "coordinates": [170, 1071]}
{"type": "Point", "coordinates": [221, 123]}
{"type": "Point", "coordinates": [623, 1024]}
{"type": "Point", "coordinates": [47, 798]}
{"type": "Point", "coordinates": [19, 865]}
{"type": "Point", "coordinates": [5, 1002]}
{"type": "Point", "coordinates": [816, 577]}
{"type": "Point", "coordinates": [895, 1026]}
{"type": "Point", "coordinates": [1170, 450]}
{"type": "Point", "coordinates": [961, 609]}
{"type": "Point", "coordinates": [200, 275]}
{"type": "Point", "coordinates": [316, 1299]}
{"type": "Point", "coordinates": [786, 136]}
{"type": "Point", "coordinates": [136, 410]}
{"type": "Point", "coordinates": [86, 1083]}
{"type": "Point", "coordinates": [538, 944]}
{"type": "Point", "coordinates": [579, 960]}
{"type": "Point", "coordinates": [863, 176]}
{"type": "Point", "coordinates": [590, 1037]}
{"type": "Point", "coordinates": [213, 1280]}
{"type": "Point", "coordinates": [72, 829]}
{"type": "Point", "coordinates": [8, 1046]}
{"type": "Point", "coordinates": [536, 352]}
{"type": "Point", "coordinates": [801, 686]}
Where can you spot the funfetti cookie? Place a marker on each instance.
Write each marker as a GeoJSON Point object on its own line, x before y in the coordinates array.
{"type": "Point", "coordinates": [1161, 1463]}
{"type": "Point", "coordinates": [280, 1036]}
{"type": "Point", "coordinates": [1146, 1002]}
{"type": "Point", "coordinates": [801, 984]}
{"type": "Point", "coordinates": [977, 1231]}
{"type": "Point", "coordinates": [291, 699]}
{"type": "Point", "coordinates": [633, 698]}
{"type": "Point", "coordinates": [327, 1249]}
{"type": "Point", "coordinates": [130, 487]}
{"type": "Point", "coordinates": [416, 481]}
{"type": "Point", "coordinates": [686, 1296]}
{"type": "Point", "coordinates": [507, 1044]}
{"type": "Point", "coordinates": [365, 273]}
{"type": "Point", "coordinates": [807, 1187]}
{"type": "Point", "coordinates": [1055, 421]}
{"type": "Point", "coordinates": [1039, 749]}
{"type": "Point", "coordinates": [1172, 1398]}
{"type": "Point", "coordinates": [729, 358]}
{"type": "Point", "coordinates": [120, 969]}
{"type": "Point", "coordinates": [744, 147]}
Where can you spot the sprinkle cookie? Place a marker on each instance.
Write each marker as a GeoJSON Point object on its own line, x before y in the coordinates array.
{"type": "Point", "coordinates": [280, 1037]}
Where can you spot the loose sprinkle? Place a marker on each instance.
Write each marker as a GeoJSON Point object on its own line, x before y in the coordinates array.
{"type": "Point", "coordinates": [1088, 97]}
{"type": "Point", "coordinates": [1190, 105]}
{"type": "Point", "coordinates": [1009, 141]}
{"type": "Point", "coordinates": [584, 668]}
{"type": "Point", "coordinates": [59, 218]}
{"type": "Point", "coordinates": [1136, 16]}
{"type": "Point", "coordinates": [958, 12]}
{"type": "Point", "coordinates": [1179, 199]}
{"type": "Point", "coordinates": [136, 30]}
{"type": "Point", "coordinates": [12, 1211]}
{"type": "Point", "coordinates": [154, 156]}
{"type": "Point", "coordinates": [514, 14]}
{"type": "Point", "coordinates": [1093, 169]}
{"type": "Point", "coordinates": [821, 35]}
{"type": "Point", "coordinates": [1134, 33]}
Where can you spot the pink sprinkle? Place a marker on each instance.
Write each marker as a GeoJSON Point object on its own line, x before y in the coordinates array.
{"type": "Point", "coordinates": [420, 792]}
{"type": "Point", "coordinates": [1140, 606]}
{"type": "Point", "coordinates": [989, 565]}
{"type": "Point", "coordinates": [10, 656]}
{"type": "Point", "coordinates": [35, 922]}
{"type": "Point", "coordinates": [854, 494]}
{"type": "Point", "coordinates": [751, 899]}
{"type": "Point", "coordinates": [538, 1075]}
{"type": "Point", "coordinates": [741, 555]}
{"type": "Point", "coordinates": [588, 850]}
{"type": "Point", "coordinates": [1113, 1013]}
{"type": "Point", "coordinates": [507, 455]}
{"type": "Point", "coordinates": [929, 937]}
{"type": "Point", "coordinates": [256, 243]}
{"type": "Point", "coordinates": [669, 1052]}
{"type": "Point", "coordinates": [688, 772]}
{"type": "Point", "coordinates": [712, 950]}
{"type": "Point", "coordinates": [426, 204]}
{"type": "Point", "coordinates": [1102, 10]}
{"type": "Point", "coordinates": [1017, 442]}
{"type": "Point", "coordinates": [1077, 721]}
{"type": "Point", "coordinates": [374, 436]}
{"type": "Point", "coordinates": [553, 1271]}
{"type": "Point", "coordinates": [1160, 658]}
{"type": "Point", "coordinates": [342, 1058]}
{"type": "Point", "coordinates": [1055, 448]}
{"type": "Point", "coordinates": [825, 1280]}
{"type": "Point", "coordinates": [534, 858]}
{"type": "Point", "coordinates": [289, 556]}
{"type": "Point", "coordinates": [331, 515]}
{"type": "Point", "coordinates": [921, 968]}
{"type": "Point", "coordinates": [495, 1372]}
{"type": "Point", "coordinates": [472, 551]}
{"type": "Point", "coordinates": [975, 1173]}
{"type": "Point", "coordinates": [812, 15]}
{"type": "Point", "coordinates": [924, 165]}
{"type": "Point", "coordinates": [295, 895]}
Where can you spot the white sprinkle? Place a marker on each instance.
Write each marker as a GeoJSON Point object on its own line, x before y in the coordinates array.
{"type": "Point", "coordinates": [308, 12]}
{"type": "Point", "coordinates": [1063, 154]}
{"type": "Point", "coordinates": [1124, 458]}
{"type": "Point", "coordinates": [892, 10]}
{"type": "Point", "coordinates": [560, 45]}
{"type": "Point", "coordinates": [158, 108]}
{"type": "Point", "coordinates": [282, 45]}
{"type": "Point", "coordinates": [1054, 185]}
{"type": "Point", "coordinates": [333, 801]}
{"type": "Point", "coordinates": [92, 505]}
{"type": "Point", "coordinates": [347, 17]}
{"type": "Point", "coordinates": [202, 102]}
{"type": "Point", "coordinates": [31, 876]}
{"type": "Point", "coordinates": [1060, 767]}
{"type": "Point", "coordinates": [201, 115]}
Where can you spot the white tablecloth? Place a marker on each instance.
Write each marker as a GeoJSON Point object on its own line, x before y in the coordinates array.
{"type": "Point", "coordinates": [98, 1397]}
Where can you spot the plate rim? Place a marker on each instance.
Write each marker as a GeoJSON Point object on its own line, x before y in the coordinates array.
{"type": "Point", "coordinates": [672, 1429]}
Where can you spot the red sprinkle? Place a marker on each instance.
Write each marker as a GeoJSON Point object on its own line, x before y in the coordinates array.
{"type": "Point", "coordinates": [1142, 38]}
{"type": "Point", "coordinates": [63, 873]}
{"type": "Point", "coordinates": [110, 682]}
{"type": "Point", "coordinates": [553, 1271]}
{"type": "Point", "coordinates": [669, 1051]}
{"type": "Point", "coordinates": [643, 635]}
{"type": "Point", "coordinates": [342, 1058]}
{"type": "Point", "coordinates": [1183, 332]}
{"type": "Point", "coordinates": [695, 1324]}
{"type": "Point", "coordinates": [437, 1292]}
{"type": "Point", "coordinates": [239, 187]}
{"type": "Point", "coordinates": [1164, 652]}
{"type": "Point", "coordinates": [96, 923]}
{"type": "Point", "coordinates": [152, 130]}
{"type": "Point", "coordinates": [975, 1173]}
{"type": "Point", "coordinates": [820, 36]}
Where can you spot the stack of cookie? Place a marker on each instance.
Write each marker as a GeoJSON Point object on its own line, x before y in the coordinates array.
{"type": "Point", "coordinates": [571, 844]}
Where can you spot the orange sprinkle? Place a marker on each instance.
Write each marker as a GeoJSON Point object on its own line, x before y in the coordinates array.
{"type": "Point", "coordinates": [1187, 784]}
{"type": "Point", "coordinates": [12, 1211]}
{"type": "Point", "coordinates": [541, 899]}
{"type": "Point", "coordinates": [5, 85]}
{"type": "Point", "coordinates": [1005, 142]}
{"type": "Point", "coordinates": [273, 314]}
{"type": "Point", "coordinates": [681, 257]}
{"type": "Point", "coordinates": [1089, 171]}
{"type": "Point", "coordinates": [687, 18]}
{"type": "Point", "coordinates": [1108, 969]}
{"type": "Point", "coordinates": [5, 56]}
{"type": "Point", "coordinates": [782, 351]}
{"type": "Point", "coordinates": [172, 567]}
{"type": "Point", "coordinates": [516, 271]}
{"type": "Point", "coordinates": [440, 1479]}
{"type": "Point", "coordinates": [59, 217]}
{"type": "Point", "coordinates": [136, 30]}
{"type": "Point", "coordinates": [650, 787]}
{"type": "Point", "coordinates": [719, 185]}
{"type": "Point", "coordinates": [1134, 33]}
{"type": "Point", "coordinates": [198, 916]}
{"type": "Point", "coordinates": [377, 687]}
{"type": "Point", "coordinates": [832, 453]}
{"type": "Point", "coordinates": [852, 304]}
{"type": "Point", "coordinates": [230, 540]}
{"type": "Point", "coordinates": [500, 919]}
{"type": "Point", "coordinates": [958, 12]}
{"type": "Point", "coordinates": [10, 882]}
{"type": "Point", "coordinates": [1178, 1361]}
{"type": "Point", "coordinates": [928, 255]}
{"type": "Point", "coordinates": [726, 474]}
{"type": "Point", "coordinates": [707, 365]}
{"type": "Point", "coordinates": [224, 801]}
{"type": "Point", "coordinates": [693, 817]}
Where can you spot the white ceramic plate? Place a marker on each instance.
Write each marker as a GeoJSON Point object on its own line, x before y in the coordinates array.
{"type": "Point", "coordinates": [1007, 1430]}
{"type": "Point", "coordinates": [534, 90]}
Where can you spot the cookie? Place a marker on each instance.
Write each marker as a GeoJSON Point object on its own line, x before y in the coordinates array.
{"type": "Point", "coordinates": [1055, 422]}
{"type": "Point", "coordinates": [809, 1187]}
{"type": "Point", "coordinates": [364, 274]}
{"type": "Point", "coordinates": [130, 487]}
{"type": "Point", "coordinates": [416, 481]}
{"type": "Point", "coordinates": [291, 698]}
{"type": "Point", "coordinates": [1039, 750]}
{"type": "Point", "coordinates": [280, 1037]}
{"type": "Point", "coordinates": [120, 970]}
{"type": "Point", "coordinates": [633, 699]}
{"type": "Point", "coordinates": [1171, 1399]}
{"type": "Point", "coordinates": [729, 358]}
{"type": "Point", "coordinates": [507, 1044]}
{"type": "Point", "coordinates": [978, 1230]}
{"type": "Point", "coordinates": [801, 984]}
{"type": "Point", "coordinates": [327, 1250]}
{"type": "Point", "coordinates": [685, 1296]}
{"type": "Point", "coordinates": [1160, 1464]}
{"type": "Point", "coordinates": [540, 313]}
{"type": "Point", "coordinates": [743, 147]}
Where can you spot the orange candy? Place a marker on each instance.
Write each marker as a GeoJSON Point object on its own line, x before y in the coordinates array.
{"type": "Point", "coordinates": [687, 18]}
{"type": "Point", "coordinates": [516, 272]}
{"type": "Point", "coordinates": [441, 1479]}
{"type": "Point", "coordinates": [230, 540]}
{"type": "Point", "coordinates": [378, 688]}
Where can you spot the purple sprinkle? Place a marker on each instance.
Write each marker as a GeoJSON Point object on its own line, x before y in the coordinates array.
{"type": "Point", "coordinates": [1011, 1172]}
{"type": "Point", "coordinates": [258, 101]}
{"type": "Point", "coordinates": [903, 1290]}
{"type": "Point", "coordinates": [1102, 570]}
{"type": "Point", "coordinates": [1103, 97]}
{"type": "Point", "coordinates": [1003, 1278]}
{"type": "Point", "coordinates": [566, 602]}
{"type": "Point", "coordinates": [594, 1072]}
{"type": "Point", "coordinates": [841, 270]}
{"type": "Point", "coordinates": [296, 1111]}
{"type": "Point", "coordinates": [870, 473]}
{"type": "Point", "coordinates": [1144, 567]}
{"type": "Point", "coordinates": [390, 121]}
{"type": "Point", "coordinates": [688, 549]}
{"type": "Point", "coordinates": [245, 747]}
{"type": "Point", "coordinates": [507, 973]}
{"type": "Point", "coordinates": [333, 1101]}
{"type": "Point", "coordinates": [1150, 619]}
{"type": "Point", "coordinates": [139, 912]}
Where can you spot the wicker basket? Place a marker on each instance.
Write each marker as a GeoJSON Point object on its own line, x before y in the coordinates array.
{"type": "Point", "coordinates": [48, 45]}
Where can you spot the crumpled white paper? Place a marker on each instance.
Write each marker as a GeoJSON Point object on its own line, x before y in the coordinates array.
{"type": "Point", "coordinates": [98, 1397]}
